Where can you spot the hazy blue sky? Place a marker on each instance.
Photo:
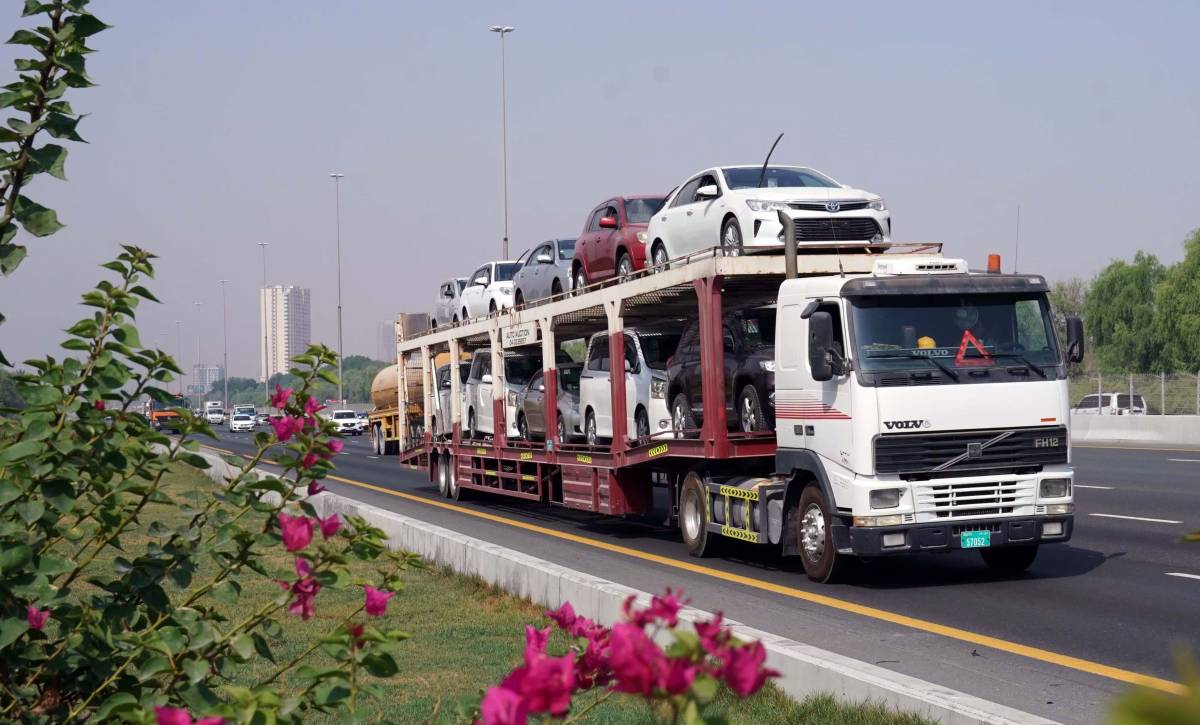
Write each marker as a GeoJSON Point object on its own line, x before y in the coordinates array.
{"type": "Point", "coordinates": [216, 124]}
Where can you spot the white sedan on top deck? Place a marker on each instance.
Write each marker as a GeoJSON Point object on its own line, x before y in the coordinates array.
{"type": "Point", "coordinates": [736, 207]}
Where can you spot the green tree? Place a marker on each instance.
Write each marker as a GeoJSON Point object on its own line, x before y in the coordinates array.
{"type": "Point", "coordinates": [1120, 312]}
{"type": "Point", "coordinates": [1177, 308]}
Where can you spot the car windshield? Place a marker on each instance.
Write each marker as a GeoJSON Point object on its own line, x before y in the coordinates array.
{"type": "Point", "coordinates": [657, 347]}
{"type": "Point", "coordinates": [777, 176]}
{"type": "Point", "coordinates": [568, 377]}
{"type": "Point", "coordinates": [518, 370]}
{"type": "Point", "coordinates": [639, 211]}
{"type": "Point", "coordinates": [566, 249]}
{"type": "Point", "coordinates": [957, 331]}
{"type": "Point", "coordinates": [243, 418]}
{"type": "Point", "coordinates": [505, 271]}
{"type": "Point", "coordinates": [462, 284]}
{"type": "Point", "coordinates": [344, 414]}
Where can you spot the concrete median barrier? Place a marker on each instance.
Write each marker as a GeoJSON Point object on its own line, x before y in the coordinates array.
{"type": "Point", "coordinates": [1151, 431]}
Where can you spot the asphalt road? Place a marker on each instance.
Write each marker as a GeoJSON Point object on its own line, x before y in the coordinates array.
{"type": "Point", "coordinates": [1118, 601]}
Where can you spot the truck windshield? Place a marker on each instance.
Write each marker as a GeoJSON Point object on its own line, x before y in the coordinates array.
{"type": "Point", "coordinates": [954, 331]}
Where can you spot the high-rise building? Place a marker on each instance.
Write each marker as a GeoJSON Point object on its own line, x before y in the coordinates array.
{"type": "Point", "coordinates": [203, 376]}
{"type": "Point", "coordinates": [386, 336]}
{"type": "Point", "coordinates": [285, 313]}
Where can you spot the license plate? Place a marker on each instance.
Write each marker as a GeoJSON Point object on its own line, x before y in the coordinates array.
{"type": "Point", "coordinates": [976, 539]}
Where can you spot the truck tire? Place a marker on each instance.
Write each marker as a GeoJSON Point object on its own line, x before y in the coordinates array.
{"type": "Point", "coordinates": [693, 517]}
{"type": "Point", "coordinates": [443, 475]}
{"type": "Point", "coordinates": [458, 493]}
{"type": "Point", "coordinates": [815, 536]}
{"type": "Point", "coordinates": [1010, 560]}
{"type": "Point", "coordinates": [377, 442]}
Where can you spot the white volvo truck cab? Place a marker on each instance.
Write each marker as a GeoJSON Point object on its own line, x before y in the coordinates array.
{"type": "Point", "coordinates": [922, 407]}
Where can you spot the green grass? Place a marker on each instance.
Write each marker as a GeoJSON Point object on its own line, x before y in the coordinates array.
{"type": "Point", "coordinates": [466, 636]}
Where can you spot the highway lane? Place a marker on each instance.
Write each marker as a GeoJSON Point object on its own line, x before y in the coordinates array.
{"type": "Point", "coordinates": [1107, 597]}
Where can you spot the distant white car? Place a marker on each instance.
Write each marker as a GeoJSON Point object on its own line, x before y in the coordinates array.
{"type": "Point", "coordinates": [736, 208]}
{"type": "Point", "coordinates": [240, 422]}
{"type": "Point", "coordinates": [214, 416]}
{"type": "Point", "coordinates": [448, 306]}
{"type": "Point", "coordinates": [346, 422]}
{"type": "Point", "coordinates": [1110, 404]}
{"type": "Point", "coordinates": [645, 368]}
{"type": "Point", "coordinates": [489, 289]}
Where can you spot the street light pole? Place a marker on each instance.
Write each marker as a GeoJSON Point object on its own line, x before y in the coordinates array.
{"type": "Point", "coordinates": [266, 352]}
{"type": "Point", "coordinates": [225, 342]}
{"type": "Point", "coordinates": [503, 30]}
{"type": "Point", "coordinates": [179, 351]}
{"type": "Point", "coordinates": [337, 201]}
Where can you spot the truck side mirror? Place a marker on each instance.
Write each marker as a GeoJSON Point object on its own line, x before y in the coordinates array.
{"type": "Point", "coordinates": [820, 340]}
{"type": "Point", "coordinates": [1074, 339]}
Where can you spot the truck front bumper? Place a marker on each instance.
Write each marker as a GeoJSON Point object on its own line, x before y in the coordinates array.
{"type": "Point", "coordinates": [914, 538]}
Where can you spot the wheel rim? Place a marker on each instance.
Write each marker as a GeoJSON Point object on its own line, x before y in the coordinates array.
{"type": "Point", "coordinates": [591, 430]}
{"type": "Point", "coordinates": [624, 267]}
{"type": "Point", "coordinates": [749, 415]}
{"type": "Point", "coordinates": [451, 478]}
{"type": "Point", "coordinates": [562, 430]}
{"type": "Point", "coordinates": [678, 419]}
{"type": "Point", "coordinates": [812, 533]}
{"type": "Point", "coordinates": [732, 240]}
{"type": "Point", "coordinates": [580, 280]}
{"type": "Point", "coordinates": [691, 516]}
{"type": "Point", "coordinates": [523, 427]}
{"type": "Point", "coordinates": [643, 426]}
{"type": "Point", "coordinates": [660, 256]}
{"type": "Point", "coordinates": [443, 482]}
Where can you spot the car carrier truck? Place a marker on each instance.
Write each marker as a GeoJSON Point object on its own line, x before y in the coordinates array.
{"type": "Point", "coordinates": [918, 407]}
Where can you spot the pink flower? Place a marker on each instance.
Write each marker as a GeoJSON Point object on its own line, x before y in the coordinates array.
{"type": "Point", "coordinates": [296, 531]}
{"type": "Point", "coordinates": [502, 706]}
{"type": "Point", "coordinates": [285, 427]}
{"type": "Point", "coordinates": [535, 642]}
{"type": "Point", "coordinates": [666, 608]}
{"type": "Point", "coordinates": [355, 633]}
{"type": "Point", "coordinates": [713, 635]}
{"type": "Point", "coordinates": [546, 684]}
{"type": "Point", "coordinates": [564, 616]}
{"type": "Point", "coordinates": [179, 716]}
{"type": "Point", "coordinates": [305, 591]}
{"type": "Point", "coordinates": [330, 525]}
{"type": "Point", "coordinates": [315, 487]}
{"type": "Point", "coordinates": [743, 670]}
{"type": "Point", "coordinates": [680, 674]}
{"type": "Point", "coordinates": [302, 567]}
{"type": "Point", "coordinates": [593, 669]}
{"type": "Point", "coordinates": [309, 460]}
{"type": "Point", "coordinates": [280, 398]}
{"type": "Point", "coordinates": [312, 407]}
{"type": "Point", "coordinates": [637, 663]}
{"type": "Point", "coordinates": [376, 600]}
{"type": "Point", "coordinates": [335, 446]}
{"type": "Point", "coordinates": [36, 618]}
{"type": "Point", "coordinates": [99, 404]}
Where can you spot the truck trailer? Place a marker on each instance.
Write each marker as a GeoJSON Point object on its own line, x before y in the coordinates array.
{"type": "Point", "coordinates": [917, 406]}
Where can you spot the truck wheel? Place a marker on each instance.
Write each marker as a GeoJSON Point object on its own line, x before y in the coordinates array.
{"type": "Point", "coordinates": [750, 412]}
{"type": "Point", "coordinates": [815, 534]}
{"type": "Point", "coordinates": [1009, 559]}
{"type": "Point", "coordinates": [693, 517]}
{"type": "Point", "coordinates": [458, 493]}
{"type": "Point", "coordinates": [681, 416]}
{"type": "Point", "coordinates": [377, 439]}
{"type": "Point", "coordinates": [443, 475]}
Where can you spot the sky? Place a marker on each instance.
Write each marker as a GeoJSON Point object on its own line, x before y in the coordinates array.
{"type": "Point", "coordinates": [215, 126]}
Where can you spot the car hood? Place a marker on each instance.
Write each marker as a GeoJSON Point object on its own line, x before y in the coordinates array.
{"type": "Point", "coordinates": [805, 193]}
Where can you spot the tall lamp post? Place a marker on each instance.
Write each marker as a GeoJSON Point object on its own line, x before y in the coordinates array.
{"type": "Point", "coordinates": [262, 312]}
{"type": "Point", "coordinates": [225, 343]}
{"type": "Point", "coordinates": [179, 351]}
{"type": "Point", "coordinates": [337, 201]}
{"type": "Point", "coordinates": [503, 30]}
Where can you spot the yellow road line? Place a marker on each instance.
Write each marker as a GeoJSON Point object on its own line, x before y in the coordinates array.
{"type": "Point", "coordinates": [1035, 653]}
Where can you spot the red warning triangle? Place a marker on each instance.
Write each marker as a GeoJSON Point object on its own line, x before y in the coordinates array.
{"type": "Point", "coordinates": [961, 358]}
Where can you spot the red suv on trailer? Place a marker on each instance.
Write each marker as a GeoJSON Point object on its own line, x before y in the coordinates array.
{"type": "Point", "coordinates": [613, 242]}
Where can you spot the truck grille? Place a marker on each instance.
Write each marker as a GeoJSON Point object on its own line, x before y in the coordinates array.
{"type": "Point", "coordinates": [979, 450]}
{"type": "Point", "coordinates": [836, 229]}
{"type": "Point", "coordinates": [990, 498]}
{"type": "Point", "coordinates": [820, 205]}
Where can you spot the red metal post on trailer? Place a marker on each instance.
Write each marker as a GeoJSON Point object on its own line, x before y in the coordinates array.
{"type": "Point", "coordinates": [616, 366]}
{"type": "Point", "coordinates": [455, 393]}
{"type": "Point", "coordinates": [714, 430]}
{"type": "Point", "coordinates": [426, 401]}
{"type": "Point", "coordinates": [549, 378]}
{"type": "Point", "coordinates": [499, 389]}
{"type": "Point", "coordinates": [402, 401]}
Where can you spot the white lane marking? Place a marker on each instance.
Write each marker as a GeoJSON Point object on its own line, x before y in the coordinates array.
{"type": "Point", "coordinates": [1099, 488]}
{"type": "Point", "coordinates": [1184, 460]}
{"type": "Point", "coordinates": [1181, 574]}
{"type": "Point", "coordinates": [374, 457]}
{"type": "Point", "coordinates": [1137, 518]}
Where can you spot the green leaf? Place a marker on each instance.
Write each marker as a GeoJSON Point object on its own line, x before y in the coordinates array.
{"type": "Point", "coordinates": [172, 638]}
{"type": "Point", "coordinates": [37, 219]}
{"type": "Point", "coordinates": [380, 664]}
{"type": "Point", "coordinates": [243, 646]}
{"type": "Point", "coordinates": [151, 667]}
{"type": "Point", "coordinates": [60, 125]}
{"type": "Point", "coordinates": [49, 564]}
{"type": "Point", "coordinates": [117, 702]}
{"type": "Point", "coordinates": [262, 647]}
{"type": "Point", "coordinates": [704, 688]}
{"type": "Point", "coordinates": [21, 449]}
{"type": "Point", "coordinates": [60, 495]}
{"type": "Point", "coordinates": [33, 7]}
{"type": "Point", "coordinates": [10, 629]}
{"type": "Point", "coordinates": [11, 256]}
{"type": "Point", "coordinates": [329, 693]}
{"type": "Point", "coordinates": [227, 592]}
{"type": "Point", "coordinates": [15, 557]}
{"type": "Point", "coordinates": [50, 158]}
{"type": "Point", "coordinates": [26, 37]}
{"type": "Point", "coordinates": [196, 670]}
{"type": "Point", "coordinates": [128, 335]}
{"type": "Point", "coordinates": [30, 511]}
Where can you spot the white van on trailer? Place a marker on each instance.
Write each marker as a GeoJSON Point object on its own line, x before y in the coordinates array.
{"type": "Point", "coordinates": [920, 407]}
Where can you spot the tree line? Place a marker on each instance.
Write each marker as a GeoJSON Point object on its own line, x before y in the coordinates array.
{"type": "Point", "coordinates": [1141, 316]}
{"type": "Point", "coordinates": [358, 371]}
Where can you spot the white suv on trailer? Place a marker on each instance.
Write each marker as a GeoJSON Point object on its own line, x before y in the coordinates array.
{"type": "Point", "coordinates": [645, 367]}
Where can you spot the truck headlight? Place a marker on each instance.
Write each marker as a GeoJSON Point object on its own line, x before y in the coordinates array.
{"type": "Point", "coordinates": [767, 365]}
{"type": "Point", "coordinates": [1055, 488]}
{"type": "Point", "coordinates": [877, 205]}
{"type": "Point", "coordinates": [512, 398]}
{"type": "Point", "coordinates": [767, 205]}
{"type": "Point", "coordinates": [1060, 509]}
{"type": "Point", "coordinates": [658, 388]}
{"type": "Point", "coordinates": [894, 520]}
{"type": "Point", "coordinates": [885, 498]}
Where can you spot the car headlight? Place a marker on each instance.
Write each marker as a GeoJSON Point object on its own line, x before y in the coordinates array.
{"type": "Point", "coordinates": [512, 398]}
{"type": "Point", "coordinates": [1056, 487]}
{"type": "Point", "coordinates": [767, 365]}
{"type": "Point", "coordinates": [885, 498]}
{"type": "Point", "coordinates": [767, 205]}
{"type": "Point", "coordinates": [658, 388]}
{"type": "Point", "coordinates": [643, 237]}
{"type": "Point", "coordinates": [877, 205]}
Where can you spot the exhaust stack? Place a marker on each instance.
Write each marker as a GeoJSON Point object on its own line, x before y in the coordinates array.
{"type": "Point", "coordinates": [789, 244]}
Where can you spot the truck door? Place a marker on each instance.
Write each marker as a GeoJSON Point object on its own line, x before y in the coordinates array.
{"type": "Point", "coordinates": [826, 405]}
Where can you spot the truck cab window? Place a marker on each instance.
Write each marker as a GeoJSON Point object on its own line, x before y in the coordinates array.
{"type": "Point", "coordinates": [839, 338]}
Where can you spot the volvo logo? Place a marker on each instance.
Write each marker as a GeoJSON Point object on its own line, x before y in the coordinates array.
{"type": "Point", "coordinates": [905, 424]}
{"type": "Point", "coordinates": [833, 206]}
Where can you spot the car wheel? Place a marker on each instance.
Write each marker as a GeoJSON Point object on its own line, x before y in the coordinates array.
{"type": "Point", "coordinates": [562, 430]}
{"type": "Point", "coordinates": [624, 267]}
{"type": "Point", "coordinates": [456, 319]}
{"type": "Point", "coordinates": [589, 429]}
{"type": "Point", "coordinates": [750, 412]}
{"type": "Point", "coordinates": [580, 280]}
{"type": "Point", "coordinates": [815, 536]}
{"type": "Point", "coordinates": [1009, 560]}
{"type": "Point", "coordinates": [520, 299]}
{"type": "Point", "coordinates": [682, 420]}
{"type": "Point", "coordinates": [642, 424]}
{"type": "Point", "coordinates": [731, 237]}
{"type": "Point", "coordinates": [658, 256]}
{"type": "Point", "coordinates": [465, 316]}
{"type": "Point", "coordinates": [492, 307]}
{"type": "Point", "coordinates": [471, 423]}
{"type": "Point", "coordinates": [433, 324]}
{"type": "Point", "coordinates": [522, 427]}
{"type": "Point", "coordinates": [693, 521]}
{"type": "Point", "coordinates": [556, 288]}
